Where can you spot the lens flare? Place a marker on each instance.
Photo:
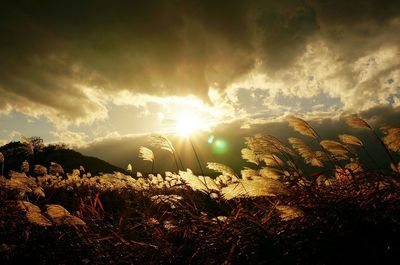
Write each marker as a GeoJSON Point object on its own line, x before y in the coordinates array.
{"type": "Point", "coordinates": [220, 146]}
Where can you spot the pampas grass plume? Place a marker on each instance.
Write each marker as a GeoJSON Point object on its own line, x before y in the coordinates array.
{"type": "Point", "coordinates": [302, 126]}
{"type": "Point", "coordinates": [350, 139]}
{"type": "Point", "coordinates": [357, 122]}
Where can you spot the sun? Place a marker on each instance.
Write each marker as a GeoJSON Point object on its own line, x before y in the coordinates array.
{"type": "Point", "coordinates": [187, 124]}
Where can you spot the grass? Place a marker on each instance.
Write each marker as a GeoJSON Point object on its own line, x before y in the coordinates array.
{"type": "Point", "coordinates": [314, 203]}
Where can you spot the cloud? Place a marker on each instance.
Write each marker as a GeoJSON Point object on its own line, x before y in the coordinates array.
{"type": "Point", "coordinates": [68, 61]}
{"type": "Point", "coordinates": [72, 139]}
{"type": "Point", "coordinates": [10, 137]}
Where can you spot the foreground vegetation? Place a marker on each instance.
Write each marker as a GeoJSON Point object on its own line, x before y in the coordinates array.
{"type": "Point", "coordinates": [315, 202]}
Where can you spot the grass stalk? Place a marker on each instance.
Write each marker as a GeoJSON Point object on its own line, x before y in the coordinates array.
{"type": "Point", "coordinates": [199, 163]}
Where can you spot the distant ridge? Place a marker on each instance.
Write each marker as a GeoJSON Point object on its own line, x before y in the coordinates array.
{"type": "Point", "coordinates": [16, 152]}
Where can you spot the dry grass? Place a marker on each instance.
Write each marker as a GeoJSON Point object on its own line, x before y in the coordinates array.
{"type": "Point", "coordinates": [350, 139]}
{"type": "Point", "coordinates": [302, 126]}
{"type": "Point", "coordinates": [337, 149]}
{"type": "Point", "coordinates": [291, 208]}
{"type": "Point", "coordinates": [392, 139]}
{"type": "Point", "coordinates": [311, 157]}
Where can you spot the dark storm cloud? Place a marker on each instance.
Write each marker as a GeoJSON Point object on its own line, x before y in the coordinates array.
{"type": "Point", "coordinates": [51, 50]}
{"type": "Point", "coordinates": [383, 115]}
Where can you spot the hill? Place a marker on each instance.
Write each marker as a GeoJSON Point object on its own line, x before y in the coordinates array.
{"type": "Point", "coordinates": [16, 152]}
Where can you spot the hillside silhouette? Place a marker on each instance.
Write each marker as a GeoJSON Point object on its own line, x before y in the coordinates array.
{"type": "Point", "coordinates": [35, 152]}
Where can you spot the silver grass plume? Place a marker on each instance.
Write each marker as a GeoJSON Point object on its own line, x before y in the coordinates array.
{"type": "Point", "coordinates": [357, 122]}
{"type": "Point", "coordinates": [322, 156]}
{"type": "Point", "coordinates": [23, 184]}
{"type": "Point", "coordinates": [273, 160]}
{"type": "Point", "coordinates": [250, 156]}
{"type": "Point", "coordinates": [287, 213]}
{"type": "Point", "coordinates": [193, 181]}
{"type": "Point", "coordinates": [311, 157]}
{"type": "Point", "coordinates": [392, 139]}
{"type": "Point", "coordinates": [172, 200]}
{"type": "Point", "coordinates": [262, 144]}
{"type": "Point", "coordinates": [210, 184]}
{"type": "Point", "coordinates": [257, 186]}
{"type": "Point", "coordinates": [337, 149]}
{"type": "Point", "coordinates": [248, 173]}
{"type": "Point", "coordinates": [271, 173]}
{"type": "Point", "coordinates": [162, 142]}
{"type": "Point", "coordinates": [146, 154]}
{"type": "Point", "coordinates": [350, 139]}
{"type": "Point", "coordinates": [39, 170]}
{"type": "Point", "coordinates": [28, 207]}
{"type": "Point", "coordinates": [223, 169]}
{"type": "Point", "coordinates": [273, 142]}
{"type": "Point", "coordinates": [59, 215]}
{"type": "Point", "coordinates": [355, 167]}
{"type": "Point", "coordinates": [56, 169]}
{"type": "Point", "coordinates": [302, 127]}
{"type": "Point", "coordinates": [395, 168]}
{"type": "Point", "coordinates": [33, 214]}
{"type": "Point", "coordinates": [56, 212]}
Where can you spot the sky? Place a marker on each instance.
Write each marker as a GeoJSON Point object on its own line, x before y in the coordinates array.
{"type": "Point", "coordinates": [101, 76]}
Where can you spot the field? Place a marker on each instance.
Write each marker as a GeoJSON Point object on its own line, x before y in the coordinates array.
{"type": "Point", "coordinates": [311, 201]}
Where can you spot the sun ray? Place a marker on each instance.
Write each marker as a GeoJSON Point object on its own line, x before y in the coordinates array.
{"type": "Point", "coordinates": [187, 124]}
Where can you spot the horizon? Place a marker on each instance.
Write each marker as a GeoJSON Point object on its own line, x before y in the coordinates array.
{"type": "Point", "coordinates": [227, 148]}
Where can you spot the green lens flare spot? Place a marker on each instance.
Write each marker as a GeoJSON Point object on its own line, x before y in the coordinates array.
{"type": "Point", "coordinates": [220, 146]}
{"type": "Point", "coordinates": [211, 139]}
